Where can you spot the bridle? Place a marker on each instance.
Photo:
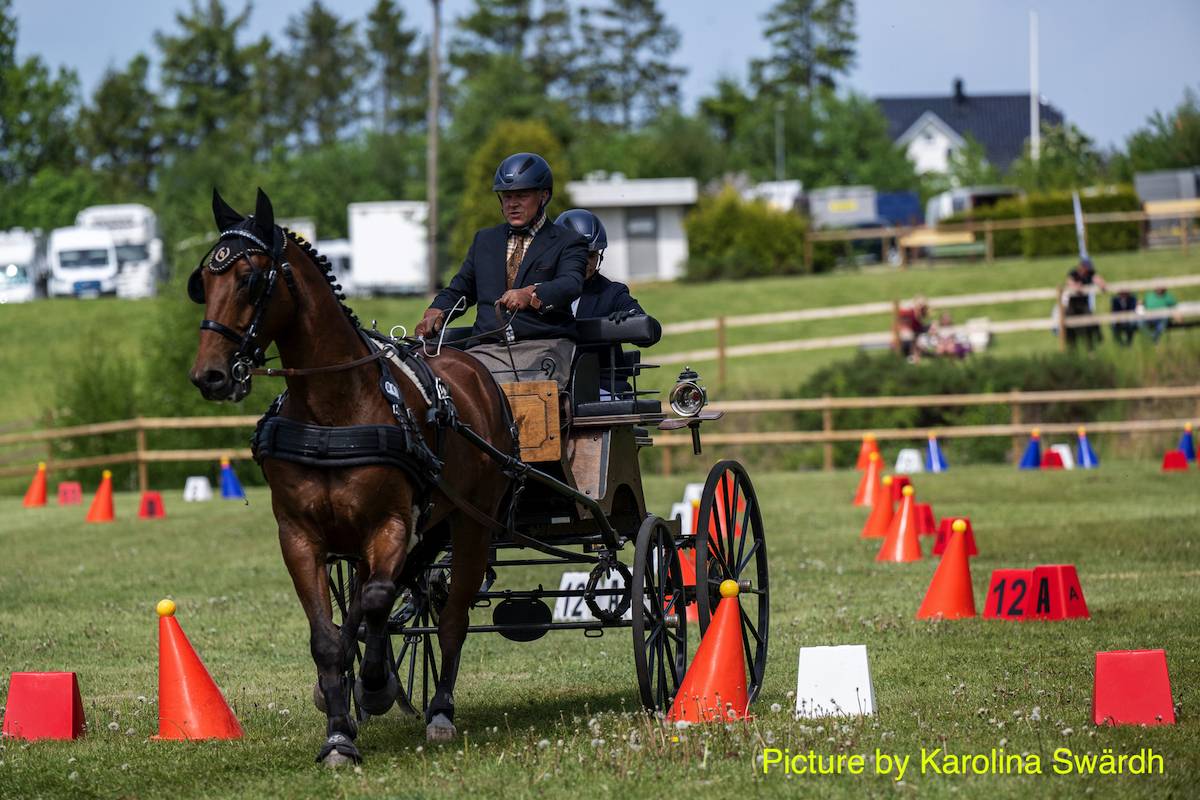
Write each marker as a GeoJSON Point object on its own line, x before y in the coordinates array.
{"type": "Point", "coordinates": [261, 285]}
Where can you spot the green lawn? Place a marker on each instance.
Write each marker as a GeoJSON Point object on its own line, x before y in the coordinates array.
{"type": "Point", "coordinates": [556, 717]}
{"type": "Point", "coordinates": [45, 339]}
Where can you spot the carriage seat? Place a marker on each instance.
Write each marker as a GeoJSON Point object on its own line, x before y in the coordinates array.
{"type": "Point", "coordinates": [639, 331]}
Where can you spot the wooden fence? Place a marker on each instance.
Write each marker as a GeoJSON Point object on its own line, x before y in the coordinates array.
{"type": "Point", "coordinates": [143, 456]}
{"type": "Point", "coordinates": [1016, 428]}
{"type": "Point", "coordinates": [1183, 213]}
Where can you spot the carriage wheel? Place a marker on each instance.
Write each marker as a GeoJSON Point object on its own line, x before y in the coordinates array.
{"type": "Point", "coordinates": [343, 584]}
{"type": "Point", "coordinates": [730, 545]}
{"type": "Point", "coordinates": [658, 605]}
{"type": "Point", "coordinates": [416, 660]}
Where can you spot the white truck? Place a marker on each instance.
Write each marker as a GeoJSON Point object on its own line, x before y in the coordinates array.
{"type": "Point", "coordinates": [20, 265]}
{"type": "Point", "coordinates": [82, 262]}
{"type": "Point", "coordinates": [134, 230]}
{"type": "Point", "coordinates": [389, 247]}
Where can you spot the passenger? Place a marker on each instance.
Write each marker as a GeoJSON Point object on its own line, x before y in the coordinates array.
{"type": "Point", "coordinates": [603, 298]}
{"type": "Point", "coordinates": [523, 266]}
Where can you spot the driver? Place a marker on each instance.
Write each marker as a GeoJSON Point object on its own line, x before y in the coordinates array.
{"type": "Point", "coordinates": [524, 268]}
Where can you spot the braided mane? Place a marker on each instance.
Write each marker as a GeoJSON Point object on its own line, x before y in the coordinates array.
{"type": "Point", "coordinates": [323, 264]}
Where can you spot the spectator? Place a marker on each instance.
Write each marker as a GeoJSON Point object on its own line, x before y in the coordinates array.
{"type": "Point", "coordinates": [1123, 332]}
{"type": "Point", "coordinates": [1157, 300]}
{"type": "Point", "coordinates": [1082, 283]}
{"type": "Point", "coordinates": [911, 323]}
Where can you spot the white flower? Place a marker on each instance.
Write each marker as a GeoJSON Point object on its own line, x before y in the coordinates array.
{"type": "Point", "coordinates": [1067, 731]}
{"type": "Point", "coordinates": [543, 744]}
{"type": "Point", "coordinates": [1035, 714]}
{"type": "Point", "coordinates": [776, 708]}
{"type": "Point", "coordinates": [682, 724]}
{"type": "Point", "coordinates": [73, 776]}
{"type": "Point", "coordinates": [112, 726]}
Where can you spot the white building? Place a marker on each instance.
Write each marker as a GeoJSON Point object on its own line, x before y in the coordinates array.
{"type": "Point", "coordinates": [644, 222]}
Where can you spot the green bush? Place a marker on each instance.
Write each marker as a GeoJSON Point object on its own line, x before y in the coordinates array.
{"type": "Point", "coordinates": [1004, 243]}
{"type": "Point", "coordinates": [729, 237]}
{"type": "Point", "coordinates": [883, 374]}
{"type": "Point", "coordinates": [1060, 240]}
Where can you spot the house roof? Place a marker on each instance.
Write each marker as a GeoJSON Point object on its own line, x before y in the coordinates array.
{"type": "Point", "coordinates": [618, 192]}
{"type": "Point", "coordinates": [999, 122]}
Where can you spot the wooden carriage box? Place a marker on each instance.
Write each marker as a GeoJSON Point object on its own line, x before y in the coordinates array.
{"type": "Point", "coordinates": [535, 411]}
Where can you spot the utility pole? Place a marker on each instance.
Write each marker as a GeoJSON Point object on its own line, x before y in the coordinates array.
{"type": "Point", "coordinates": [1035, 108]}
{"type": "Point", "coordinates": [431, 153]}
{"type": "Point", "coordinates": [779, 169]}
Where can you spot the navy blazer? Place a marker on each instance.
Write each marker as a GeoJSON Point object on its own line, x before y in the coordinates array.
{"type": "Point", "coordinates": [600, 298]}
{"type": "Point", "coordinates": [555, 260]}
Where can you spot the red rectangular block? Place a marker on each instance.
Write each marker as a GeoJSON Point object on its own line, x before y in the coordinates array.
{"type": "Point", "coordinates": [1132, 688]}
{"type": "Point", "coordinates": [898, 484]}
{"type": "Point", "coordinates": [43, 705]}
{"type": "Point", "coordinates": [925, 524]}
{"type": "Point", "coordinates": [1008, 595]}
{"type": "Point", "coordinates": [1057, 593]}
{"type": "Point", "coordinates": [943, 536]}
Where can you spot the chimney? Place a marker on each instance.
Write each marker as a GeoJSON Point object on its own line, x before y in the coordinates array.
{"type": "Point", "coordinates": [959, 95]}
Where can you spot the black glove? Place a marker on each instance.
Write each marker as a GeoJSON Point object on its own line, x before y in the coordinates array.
{"type": "Point", "coordinates": [621, 316]}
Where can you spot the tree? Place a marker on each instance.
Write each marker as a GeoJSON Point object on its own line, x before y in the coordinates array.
{"type": "Point", "coordinates": [1068, 159]}
{"type": "Point", "coordinates": [119, 129]}
{"type": "Point", "coordinates": [206, 75]}
{"type": "Point", "coordinates": [401, 70]}
{"type": "Point", "coordinates": [555, 56]}
{"type": "Point", "coordinates": [328, 61]}
{"type": "Point", "coordinates": [1170, 141]}
{"type": "Point", "coordinates": [629, 46]}
{"type": "Point", "coordinates": [812, 42]}
{"type": "Point", "coordinates": [492, 28]}
{"type": "Point", "coordinates": [728, 104]}
{"type": "Point", "coordinates": [479, 207]}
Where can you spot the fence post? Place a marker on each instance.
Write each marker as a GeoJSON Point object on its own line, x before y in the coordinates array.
{"type": "Point", "coordinates": [721, 352]}
{"type": "Point", "coordinates": [989, 241]}
{"type": "Point", "coordinates": [1015, 408]}
{"type": "Point", "coordinates": [1185, 224]}
{"type": "Point", "coordinates": [808, 253]}
{"type": "Point", "coordinates": [142, 468]}
{"type": "Point", "coordinates": [827, 427]}
{"type": "Point", "coordinates": [666, 464]}
{"type": "Point", "coordinates": [1062, 318]}
{"type": "Point", "coordinates": [896, 326]}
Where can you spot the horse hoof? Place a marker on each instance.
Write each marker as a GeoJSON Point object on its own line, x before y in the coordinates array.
{"type": "Point", "coordinates": [318, 697]}
{"type": "Point", "coordinates": [377, 702]}
{"type": "Point", "coordinates": [440, 729]}
{"type": "Point", "coordinates": [339, 749]}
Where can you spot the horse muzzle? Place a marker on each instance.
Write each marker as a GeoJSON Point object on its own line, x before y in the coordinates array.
{"type": "Point", "coordinates": [218, 384]}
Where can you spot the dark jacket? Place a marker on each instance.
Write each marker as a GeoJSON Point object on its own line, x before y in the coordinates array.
{"type": "Point", "coordinates": [600, 298]}
{"type": "Point", "coordinates": [555, 260]}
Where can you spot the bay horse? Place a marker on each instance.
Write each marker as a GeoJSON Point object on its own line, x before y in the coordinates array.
{"type": "Point", "coordinates": [260, 285]}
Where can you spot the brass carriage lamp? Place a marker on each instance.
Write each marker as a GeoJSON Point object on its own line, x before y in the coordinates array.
{"type": "Point", "coordinates": [688, 397]}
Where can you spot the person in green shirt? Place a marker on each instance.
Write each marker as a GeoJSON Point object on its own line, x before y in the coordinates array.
{"type": "Point", "coordinates": [1160, 298]}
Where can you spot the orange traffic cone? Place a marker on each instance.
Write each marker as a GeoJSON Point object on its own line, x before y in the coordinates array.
{"type": "Point", "coordinates": [714, 689]}
{"type": "Point", "coordinates": [35, 495]}
{"type": "Point", "coordinates": [868, 485]}
{"type": "Point", "coordinates": [950, 595]}
{"type": "Point", "coordinates": [864, 453]}
{"type": "Point", "coordinates": [902, 543]}
{"type": "Point", "coordinates": [102, 503]}
{"type": "Point", "coordinates": [881, 512]}
{"type": "Point", "coordinates": [190, 706]}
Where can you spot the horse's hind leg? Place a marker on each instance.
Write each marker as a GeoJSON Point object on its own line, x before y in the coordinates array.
{"type": "Point", "coordinates": [378, 687]}
{"type": "Point", "coordinates": [467, 568]}
{"type": "Point", "coordinates": [307, 568]}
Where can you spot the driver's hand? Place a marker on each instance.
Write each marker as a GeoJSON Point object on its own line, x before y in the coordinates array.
{"type": "Point", "coordinates": [516, 299]}
{"type": "Point", "coordinates": [430, 324]}
{"type": "Point", "coordinates": [621, 316]}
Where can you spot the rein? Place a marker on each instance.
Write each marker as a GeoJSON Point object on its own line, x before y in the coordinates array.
{"type": "Point", "coordinates": [291, 372]}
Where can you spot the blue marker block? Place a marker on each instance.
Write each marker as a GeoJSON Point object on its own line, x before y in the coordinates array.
{"type": "Point", "coordinates": [1085, 456]}
{"type": "Point", "coordinates": [1187, 443]}
{"type": "Point", "coordinates": [231, 487]}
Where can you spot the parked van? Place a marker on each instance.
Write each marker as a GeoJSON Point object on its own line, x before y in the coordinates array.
{"type": "Point", "coordinates": [19, 265]}
{"type": "Point", "coordinates": [134, 230]}
{"type": "Point", "coordinates": [82, 262]}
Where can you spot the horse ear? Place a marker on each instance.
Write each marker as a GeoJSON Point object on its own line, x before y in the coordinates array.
{"type": "Point", "coordinates": [223, 215]}
{"type": "Point", "coordinates": [264, 215]}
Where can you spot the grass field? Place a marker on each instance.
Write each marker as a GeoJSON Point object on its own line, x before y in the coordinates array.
{"type": "Point", "coordinates": [45, 339]}
{"type": "Point", "coordinates": [556, 717]}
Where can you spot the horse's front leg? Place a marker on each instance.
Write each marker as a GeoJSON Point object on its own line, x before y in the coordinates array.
{"type": "Point", "coordinates": [470, 540]}
{"type": "Point", "coordinates": [306, 563]}
{"type": "Point", "coordinates": [378, 687]}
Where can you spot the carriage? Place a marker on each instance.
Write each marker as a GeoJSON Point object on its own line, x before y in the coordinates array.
{"type": "Point", "coordinates": [579, 505]}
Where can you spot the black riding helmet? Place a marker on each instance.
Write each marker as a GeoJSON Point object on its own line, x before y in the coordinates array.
{"type": "Point", "coordinates": [523, 171]}
{"type": "Point", "coordinates": [587, 225]}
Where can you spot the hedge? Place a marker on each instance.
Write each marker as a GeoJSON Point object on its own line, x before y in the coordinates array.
{"type": "Point", "coordinates": [729, 237]}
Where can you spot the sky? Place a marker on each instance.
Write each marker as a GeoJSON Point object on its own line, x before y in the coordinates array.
{"type": "Point", "coordinates": [1107, 65]}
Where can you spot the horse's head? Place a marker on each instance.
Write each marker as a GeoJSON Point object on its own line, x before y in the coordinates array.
{"type": "Point", "coordinates": [248, 292]}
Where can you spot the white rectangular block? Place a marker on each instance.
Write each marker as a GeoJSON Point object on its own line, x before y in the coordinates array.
{"type": "Point", "coordinates": [575, 609]}
{"type": "Point", "coordinates": [1064, 450]}
{"type": "Point", "coordinates": [834, 681]}
{"type": "Point", "coordinates": [909, 462]}
{"type": "Point", "coordinates": [197, 489]}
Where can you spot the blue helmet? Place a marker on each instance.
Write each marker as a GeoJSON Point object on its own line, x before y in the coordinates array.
{"type": "Point", "coordinates": [587, 225]}
{"type": "Point", "coordinates": [523, 171]}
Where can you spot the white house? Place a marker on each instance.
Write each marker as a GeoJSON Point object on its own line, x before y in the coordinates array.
{"type": "Point", "coordinates": [644, 222]}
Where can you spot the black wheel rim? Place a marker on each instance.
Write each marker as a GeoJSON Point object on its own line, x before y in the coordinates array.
{"type": "Point", "coordinates": [416, 662]}
{"type": "Point", "coordinates": [729, 505]}
{"type": "Point", "coordinates": [343, 584]}
{"type": "Point", "coordinates": [659, 610]}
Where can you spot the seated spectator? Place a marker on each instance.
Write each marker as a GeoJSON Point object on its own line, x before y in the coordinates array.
{"type": "Point", "coordinates": [1157, 300]}
{"type": "Point", "coordinates": [1082, 283]}
{"type": "Point", "coordinates": [1123, 332]}
{"type": "Point", "coordinates": [911, 323]}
